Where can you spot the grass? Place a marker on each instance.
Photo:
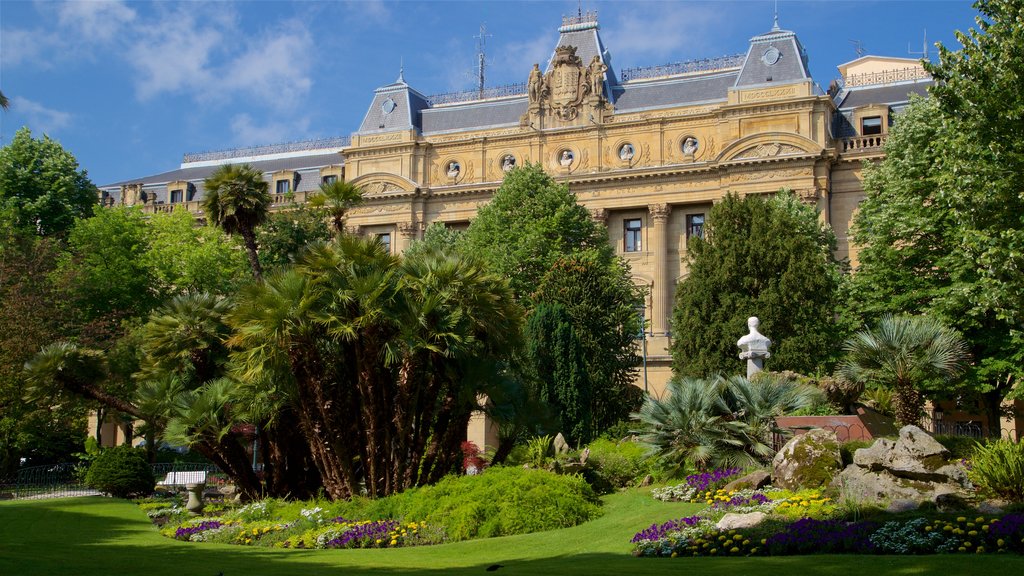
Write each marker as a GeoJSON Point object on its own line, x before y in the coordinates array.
{"type": "Point", "coordinates": [102, 536]}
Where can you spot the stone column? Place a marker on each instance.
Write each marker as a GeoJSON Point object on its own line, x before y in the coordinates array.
{"type": "Point", "coordinates": [660, 305]}
{"type": "Point", "coordinates": [406, 234]}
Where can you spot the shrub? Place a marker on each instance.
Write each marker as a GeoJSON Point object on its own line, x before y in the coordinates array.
{"type": "Point", "coordinates": [960, 447]}
{"type": "Point", "coordinates": [121, 472]}
{"type": "Point", "coordinates": [997, 469]}
{"type": "Point", "coordinates": [499, 502]}
{"type": "Point", "coordinates": [620, 463]}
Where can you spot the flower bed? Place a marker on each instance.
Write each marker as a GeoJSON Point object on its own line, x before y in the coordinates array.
{"type": "Point", "coordinates": [808, 522]}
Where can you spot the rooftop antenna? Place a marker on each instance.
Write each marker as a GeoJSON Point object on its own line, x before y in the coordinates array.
{"type": "Point", "coordinates": [924, 47]}
{"type": "Point", "coordinates": [775, 25]}
{"type": "Point", "coordinates": [481, 49]}
{"type": "Point", "coordinates": [858, 47]}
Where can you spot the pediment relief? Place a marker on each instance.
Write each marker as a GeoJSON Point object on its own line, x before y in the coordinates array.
{"type": "Point", "coordinates": [769, 145]}
{"type": "Point", "coordinates": [768, 151]}
{"type": "Point", "coordinates": [380, 183]}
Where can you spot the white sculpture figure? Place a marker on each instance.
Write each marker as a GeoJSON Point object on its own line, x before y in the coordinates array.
{"type": "Point", "coordinates": [454, 169]}
{"type": "Point", "coordinates": [690, 145]}
{"type": "Point", "coordinates": [566, 159]}
{"type": "Point", "coordinates": [754, 347]}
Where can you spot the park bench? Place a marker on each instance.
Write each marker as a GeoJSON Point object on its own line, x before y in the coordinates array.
{"type": "Point", "coordinates": [183, 478]}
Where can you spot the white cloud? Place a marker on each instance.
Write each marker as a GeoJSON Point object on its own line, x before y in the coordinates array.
{"type": "Point", "coordinates": [30, 46]}
{"type": "Point", "coordinates": [521, 56]}
{"type": "Point", "coordinates": [198, 52]}
{"type": "Point", "coordinates": [663, 30]}
{"type": "Point", "coordinates": [276, 67]}
{"type": "Point", "coordinates": [364, 12]}
{"type": "Point", "coordinates": [100, 20]}
{"type": "Point", "coordinates": [40, 118]}
{"type": "Point", "coordinates": [248, 132]}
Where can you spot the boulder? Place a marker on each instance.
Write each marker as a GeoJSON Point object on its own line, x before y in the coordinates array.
{"type": "Point", "coordinates": [951, 502]}
{"type": "Point", "coordinates": [741, 521]}
{"type": "Point", "coordinates": [752, 481]}
{"type": "Point", "coordinates": [810, 460]}
{"type": "Point", "coordinates": [915, 468]}
{"type": "Point", "coordinates": [560, 445]}
{"type": "Point", "coordinates": [647, 481]}
{"type": "Point", "coordinates": [992, 507]}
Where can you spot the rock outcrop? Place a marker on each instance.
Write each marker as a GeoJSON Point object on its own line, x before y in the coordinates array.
{"type": "Point", "coordinates": [810, 460]}
{"type": "Point", "coordinates": [914, 467]}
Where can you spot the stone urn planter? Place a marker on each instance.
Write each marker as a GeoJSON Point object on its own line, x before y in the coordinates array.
{"type": "Point", "coordinates": [195, 503]}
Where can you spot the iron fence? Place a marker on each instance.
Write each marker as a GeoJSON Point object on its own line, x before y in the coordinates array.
{"type": "Point", "coordinates": [68, 479]}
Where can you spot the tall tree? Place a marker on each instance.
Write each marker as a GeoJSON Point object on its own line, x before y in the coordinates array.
{"type": "Point", "coordinates": [286, 233]}
{"type": "Point", "coordinates": [237, 199]}
{"type": "Point", "coordinates": [41, 185]}
{"type": "Point", "coordinates": [906, 354]}
{"type": "Point", "coordinates": [764, 256]}
{"type": "Point", "coordinates": [534, 232]}
{"type": "Point", "coordinates": [556, 354]}
{"type": "Point", "coordinates": [941, 227]}
{"type": "Point", "coordinates": [184, 257]}
{"type": "Point", "coordinates": [530, 223]}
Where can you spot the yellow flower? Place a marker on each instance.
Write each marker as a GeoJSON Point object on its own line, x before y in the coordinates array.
{"type": "Point", "coordinates": [255, 531]}
{"type": "Point", "coordinates": [972, 533]}
{"type": "Point", "coordinates": [674, 554]}
{"type": "Point", "coordinates": [764, 541]}
{"type": "Point", "coordinates": [980, 550]}
{"type": "Point", "coordinates": [979, 519]}
{"type": "Point", "coordinates": [1001, 542]}
{"type": "Point", "coordinates": [968, 544]}
{"type": "Point", "coordinates": [961, 519]}
{"type": "Point", "coordinates": [985, 527]}
{"type": "Point", "coordinates": [393, 542]}
{"type": "Point", "coordinates": [378, 540]}
{"type": "Point", "coordinates": [713, 551]}
{"type": "Point", "coordinates": [927, 528]}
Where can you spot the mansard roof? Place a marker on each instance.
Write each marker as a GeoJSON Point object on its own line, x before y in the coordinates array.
{"type": "Point", "coordinates": [776, 57]}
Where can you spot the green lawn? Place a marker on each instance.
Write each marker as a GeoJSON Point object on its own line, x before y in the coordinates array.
{"type": "Point", "coordinates": [93, 535]}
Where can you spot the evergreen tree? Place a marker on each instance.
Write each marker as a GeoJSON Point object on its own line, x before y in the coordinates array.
{"type": "Point", "coordinates": [555, 353]}
{"type": "Point", "coordinates": [764, 256]}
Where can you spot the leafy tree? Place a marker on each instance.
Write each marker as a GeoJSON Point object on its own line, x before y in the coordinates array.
{"type": "Point", "coordinates": [764, 256]}
{"type": "Point", "coordinates": [437, 236]}
{"type": "Point", "coordinates": [336, 198]}
{"type": "Point", "coordinates": [530, 223]}
{"type": "Point", "coordinates": [30, 317]}
{"type": "Point", "coordinates": [286, 233]}
{"type": "Point", "coordinates": [41, 185]}
{"type": "Point", "coordinates": [719, 422]}
{"type": "Point", "coordinates": [184, 257]}
{"type": "Point", "coordinates": [238, 201]}
{"type": "Point", "coordinates": [121, 471]}
{"type": "Point", "coordinates": [941, 227]}
{"type": "Point", "coordinates": [106, 268]}
{"type": "Point", "coordinates": [535, 233]}
{"type": "Point", "coordinates": [907, 355]}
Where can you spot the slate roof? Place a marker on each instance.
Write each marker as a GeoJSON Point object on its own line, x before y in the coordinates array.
{"type": "Point", "coordinates": [472, 116]}
{"type": "Point", "coordinates": [791, 65]}
{"type": "Point", "coordinates": [891, 94]}
{"type": "Point", "coordinates": [643, 95]}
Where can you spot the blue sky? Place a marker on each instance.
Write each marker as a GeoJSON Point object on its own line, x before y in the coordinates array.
{"type": "Point", "coordinates": [129, 87]}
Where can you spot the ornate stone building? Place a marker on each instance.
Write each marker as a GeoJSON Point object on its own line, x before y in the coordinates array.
{"type": "Point", "coordinates": [646, 150]}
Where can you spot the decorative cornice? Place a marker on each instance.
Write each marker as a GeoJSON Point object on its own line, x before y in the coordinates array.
{"type": "Point", "coordinates": [660, 212]}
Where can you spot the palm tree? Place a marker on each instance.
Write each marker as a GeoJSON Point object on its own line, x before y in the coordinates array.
{"type": "Point", "coordinates": [5, 104]}
{"type": "Point", "coordinates": [336, 198]}
{"type": "Point", "coordinates": [237, 199]}
{"type": "Point", "coordinates": [187, 335]}
{"type": "Point", "coordinates": [719, 421]}
{"type": "Point", "coordinates": [905, 354]}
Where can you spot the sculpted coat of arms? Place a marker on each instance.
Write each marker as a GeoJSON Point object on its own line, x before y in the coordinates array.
{"type": "Point", "coordinates": [564, 87]}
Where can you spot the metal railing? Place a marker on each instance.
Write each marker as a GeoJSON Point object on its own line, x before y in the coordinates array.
{"type": "Point", "coordinates": [507, 90]}
{"type": "Point", "coordinates": [298, 146]}
{"type": "Point", "coordinates": [687, 67]}
{"type": "Point", "coordinates": [67, 479]}
{"type": "Point", "coordinates": [885, 77]}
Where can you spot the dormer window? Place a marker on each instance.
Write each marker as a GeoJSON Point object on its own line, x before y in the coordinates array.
{"type": "Point", "coordinates": [176, 196]}
{"type": "Point", "coordinates": [283, 186]}
{"type": "Point", "coordinates": [329, 179]}
{"type": "Point", "coordinates": [871, 125]}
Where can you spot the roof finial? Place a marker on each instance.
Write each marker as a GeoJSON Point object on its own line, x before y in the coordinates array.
{"type": "Point", "coordinates": [775, 26]}
{"type": "Point", "coordinates": [401, 70]}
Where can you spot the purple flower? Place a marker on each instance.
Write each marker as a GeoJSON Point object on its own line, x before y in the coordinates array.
{"type": "Point", "coordinates": [362, 535]}
{"type": "Point", "coordinates": [659, 531]}
{"type": "Point", "coordinates": [809, 536]}
{"type": "Point", "coordinates": [706, 480]}
{"type": "Point", "coordinates": [184, 533]}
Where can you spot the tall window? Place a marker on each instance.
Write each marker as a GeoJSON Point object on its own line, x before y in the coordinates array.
{"type": "Point", "coordinates": [284, 186]}
{"type": "Point", "coordinates": [694, 226]}
{"type": "Point", "coordinates": [329, 179]}
{"type": "Point", "coordinates": [871, 125]}
{"type": "Point", "coordinates": [385, 239]}
{"type": "Point", "coordinates": [175, 196]}
{"type": "Point", "coordinates": [633, 235]}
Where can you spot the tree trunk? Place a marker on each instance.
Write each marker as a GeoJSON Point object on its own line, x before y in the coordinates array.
{"type": "Point", "coordinates": [249, 236]}
{"type": "Point", "coordinates": [907, 403]}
